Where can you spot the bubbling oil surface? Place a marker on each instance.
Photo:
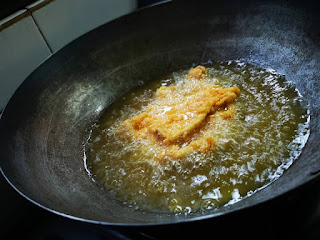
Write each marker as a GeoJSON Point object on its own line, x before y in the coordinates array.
{"type": "Point", "coordinates": [254, 149]}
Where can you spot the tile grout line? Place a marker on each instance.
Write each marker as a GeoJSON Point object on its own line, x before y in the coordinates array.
{"type": "Point", "coordinates": [41, 33]}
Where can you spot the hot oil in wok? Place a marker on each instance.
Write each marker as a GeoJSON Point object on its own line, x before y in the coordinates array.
{"type": "Point", "coordinates": [266, 133]}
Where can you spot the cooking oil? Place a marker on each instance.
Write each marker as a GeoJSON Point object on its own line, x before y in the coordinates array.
{"type": "Point", "coordinates": [253, 149]}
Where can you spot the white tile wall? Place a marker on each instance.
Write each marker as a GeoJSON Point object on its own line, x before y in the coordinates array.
{"type": "Point", "coordinates": [62, 21]}
{"type": "Point", "coordinates": [22, 49]}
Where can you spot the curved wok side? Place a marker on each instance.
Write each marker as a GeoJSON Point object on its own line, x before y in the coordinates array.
{"type": "Point", "coordinates": [46, 123]}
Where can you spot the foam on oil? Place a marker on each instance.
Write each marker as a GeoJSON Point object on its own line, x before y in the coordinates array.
{"type": "Point", "coordinates": [255, 148]}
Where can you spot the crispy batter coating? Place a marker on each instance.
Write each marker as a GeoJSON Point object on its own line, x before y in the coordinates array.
{"type": "Point", "coordinates": [177, 123]}
{"type": "Point", "coordinates": [198, 72]}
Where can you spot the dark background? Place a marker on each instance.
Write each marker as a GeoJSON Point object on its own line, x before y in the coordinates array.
{"type": "Point", "coordinates": [9, 7]}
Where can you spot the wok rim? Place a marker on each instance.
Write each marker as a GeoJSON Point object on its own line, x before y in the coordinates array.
{"type": "Point", "coordinates": [241, 208]}
{"type": "Point", "coordinates": [315, 176]}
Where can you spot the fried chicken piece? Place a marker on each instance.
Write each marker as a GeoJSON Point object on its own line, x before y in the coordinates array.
{"type": "Point", "coordinates": [175, 123]}
{"type": "Point", "coordinates": [197, 72]}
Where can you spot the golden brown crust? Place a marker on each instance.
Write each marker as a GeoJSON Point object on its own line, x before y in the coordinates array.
{"type": "Point", "coordinates": [176, 123]}
{"type": "Point", "coordinates": [197, 72]}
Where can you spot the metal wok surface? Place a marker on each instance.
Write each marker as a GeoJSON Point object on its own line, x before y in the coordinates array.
{"type": "Point", "coordinates": [45, 125]}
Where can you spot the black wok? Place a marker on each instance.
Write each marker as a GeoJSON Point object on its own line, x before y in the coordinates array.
{"type": "Point", "coordinates": [45, 125]}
